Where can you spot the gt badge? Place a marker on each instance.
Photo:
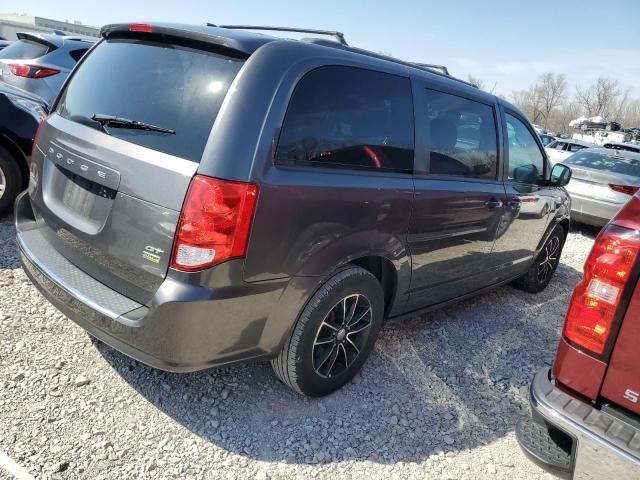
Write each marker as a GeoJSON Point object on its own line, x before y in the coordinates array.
{"type": "Point", "coordinates": [152, 254]}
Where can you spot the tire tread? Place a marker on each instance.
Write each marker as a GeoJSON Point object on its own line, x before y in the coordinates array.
{"type": "Point", "coordinates": [284, 365]}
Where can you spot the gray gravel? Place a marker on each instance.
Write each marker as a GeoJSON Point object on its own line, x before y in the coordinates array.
{"type": "Point", "coordinates": [438, 399]}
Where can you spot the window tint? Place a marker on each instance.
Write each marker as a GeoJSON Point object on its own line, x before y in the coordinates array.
{"type": "Point", "coordinates": [574, 147]}
{"type": "Point", "coordinates": [77, 54]}
{"type": "Point", "coordinates": [169, 86]}
{"type": "Point", "coordinates": [612, 162]}
{"type": "Point", "coordinates": [351, 118]}
{"type": "Point", "coordinates": [526, 162]}
{"type": "Point", "coordinates": [462, 136]}
{"type": "Point", "coordinates": [24, 50]}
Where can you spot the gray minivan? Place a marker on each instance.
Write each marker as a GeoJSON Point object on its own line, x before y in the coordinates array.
{"type": "Point", "coordinates": [201, 196]}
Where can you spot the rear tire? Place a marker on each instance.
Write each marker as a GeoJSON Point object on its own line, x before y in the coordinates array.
{"type": "Point", "coordinates": [10, 181]}
{"type": "Point", "coordinates": [327, 347]}
{"type": "Point", "coordinates": [545, 264]}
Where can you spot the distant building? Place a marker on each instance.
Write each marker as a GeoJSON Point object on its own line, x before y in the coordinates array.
{"type": "Point", "coordinates": [11, 23]}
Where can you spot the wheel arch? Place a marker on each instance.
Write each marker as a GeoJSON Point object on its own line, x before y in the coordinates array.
{"type": "Point", "coordinates": [21, 160]}
{"type": "Point", "coordinates": [385, 272]}
{"type": "Point", "coordinates": [562, 221]}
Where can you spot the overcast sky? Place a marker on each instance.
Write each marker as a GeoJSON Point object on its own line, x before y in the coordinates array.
{"type": "Point", "coordinates": [505, 42]}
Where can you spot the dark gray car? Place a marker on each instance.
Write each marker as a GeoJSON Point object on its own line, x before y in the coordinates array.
{"type": "Point", "coordinates": [40, 63]}
{"type": "Point", "coordinates": [201, 196]}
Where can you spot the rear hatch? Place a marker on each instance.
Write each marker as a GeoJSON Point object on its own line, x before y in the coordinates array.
{"type": "Point", "coordinates": [26, 49]}
{"type": "Point", "coordinates": [111, 191]}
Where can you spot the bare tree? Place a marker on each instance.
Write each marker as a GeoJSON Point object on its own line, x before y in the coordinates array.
{"type": "Point", "coordinates": [529, 102]}
{"type": "Point", "coordinates": [630, 113]}
{"type": "Point", "coordinates": [480, 84]}
{"type": "Point", "coordinates": [600, 97]}
{"type": "Point", "coordinates": [551, 92]}
{"type": "Point", "coordinates": [475, 81]}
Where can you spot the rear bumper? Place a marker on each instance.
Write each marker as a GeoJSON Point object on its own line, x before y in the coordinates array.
{"type": "Point", "coordinates": [592, 212]}
{"type": "Point", "coordinates": [581, 442]}
{"type": "Point", "coordinates": [184, 328]}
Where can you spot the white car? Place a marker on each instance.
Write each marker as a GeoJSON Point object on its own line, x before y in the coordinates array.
{"type": "Point", "coordinates": [561, 149]}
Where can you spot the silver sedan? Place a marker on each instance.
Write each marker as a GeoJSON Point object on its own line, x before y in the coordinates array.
{"type": "Point", "coordinates": [603, 180]}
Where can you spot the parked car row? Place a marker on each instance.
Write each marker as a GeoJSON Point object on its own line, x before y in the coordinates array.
{"type": "Point", "coordinates": [561, 149]}
{"type": "Point", "coordinates": [32, 71]}
{"type": "Point", "coordinates": [40, 63]}
{"type": "Point", "coordinates": [594, 123]}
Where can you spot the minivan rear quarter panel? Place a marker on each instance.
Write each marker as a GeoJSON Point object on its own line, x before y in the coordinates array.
{"type": "Point", "coordinates": [308, 220]}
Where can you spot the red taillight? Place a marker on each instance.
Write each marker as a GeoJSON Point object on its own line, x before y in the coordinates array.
{"type": "Point", "coordinates": [628, 189]}
{"type": "Point", "coordinates": [595, 299]}
{"type": "Point", "coordinates": [140, 27]}
{"type": "Point", "coordinates": [214, 224]}
{"type": "Point", "coordinates": [31, 71]}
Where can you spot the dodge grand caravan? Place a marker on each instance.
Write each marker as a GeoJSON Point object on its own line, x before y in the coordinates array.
{"type": "Point", "coordinates": [202, 195]}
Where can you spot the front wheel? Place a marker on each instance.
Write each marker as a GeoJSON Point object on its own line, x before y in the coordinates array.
{"type": "Point", "coordinates": [334, 334]}
{"type": "Point", "coordinates": [545, 264]}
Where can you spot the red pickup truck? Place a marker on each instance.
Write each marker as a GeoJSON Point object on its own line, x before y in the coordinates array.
{"type": "Point", "coordinates": [585, 411]}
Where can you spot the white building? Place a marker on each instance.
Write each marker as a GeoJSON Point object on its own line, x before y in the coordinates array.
{"type": "Point", "coordinates": [11, 23]}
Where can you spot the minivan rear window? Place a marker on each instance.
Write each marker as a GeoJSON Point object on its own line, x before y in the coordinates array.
{"type": "Point", "coordinates": [171, 86]}
{"type": "Point", "coordinates": [24, 50]}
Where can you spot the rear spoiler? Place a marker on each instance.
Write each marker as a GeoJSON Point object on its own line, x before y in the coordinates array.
{"type": "Point", "coordinates": [34, 37]}
{"type": "Point", "coordinates": [152, 30]}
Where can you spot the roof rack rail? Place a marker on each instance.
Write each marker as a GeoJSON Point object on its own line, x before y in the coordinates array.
{"type": "Point", "coordinates": [440, 68]}
{"type": "Point", "coordinates": [342, 44]}
{"type": "Point", "coordinates": [337, 35]}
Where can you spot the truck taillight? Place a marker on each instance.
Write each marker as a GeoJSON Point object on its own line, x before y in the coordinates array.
{"type": "Point", "coordinates": [595, 299]}
{"type": "Point", "coordinates": [214, 223]}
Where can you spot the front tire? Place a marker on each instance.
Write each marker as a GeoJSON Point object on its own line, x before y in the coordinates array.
{"type": "Point", "coordinates": [10, 181]}
{"type": "Point", "coordinates": [545, 264]}
{"type": "Point", "coordinates": [334, 334]}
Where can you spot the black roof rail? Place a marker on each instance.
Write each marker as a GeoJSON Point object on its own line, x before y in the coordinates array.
{"type": "Point", "coordinates": [440, 68]}
{"type": "Point", "coordinates": [338, 35]}
{"type": "Point", "coordinates": [342, 44]}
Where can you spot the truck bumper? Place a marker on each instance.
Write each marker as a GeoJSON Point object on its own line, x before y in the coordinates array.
{"type": "Point", "coordinates": [571, 439]}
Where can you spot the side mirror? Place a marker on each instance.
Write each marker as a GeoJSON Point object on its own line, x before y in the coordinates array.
{"type": "Point", "coordinates": [560, 175]}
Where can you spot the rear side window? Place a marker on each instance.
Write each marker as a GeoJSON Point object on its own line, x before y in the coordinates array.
{"type": "Point", "coordinates": [24, 50]}
{"type": "Point", "coordinates": [613, 162]}
{"type": "Point", "coordinates": [169, 86]}
{"type": "Point", "coordinates": [351, 118]}
{"type": "Point", "coordinates": [574, 147]}
{"type": "Point", "coordinates": [77, 54]}
{"type": "Point", "coordinates": [461, 136]}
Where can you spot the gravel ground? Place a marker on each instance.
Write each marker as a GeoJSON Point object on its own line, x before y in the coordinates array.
{"type": "Point", "coordinates": [438, 399]}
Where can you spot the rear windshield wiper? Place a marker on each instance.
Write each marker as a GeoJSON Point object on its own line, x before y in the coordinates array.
{"type": "Point", "coordinates": [120, 122]}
